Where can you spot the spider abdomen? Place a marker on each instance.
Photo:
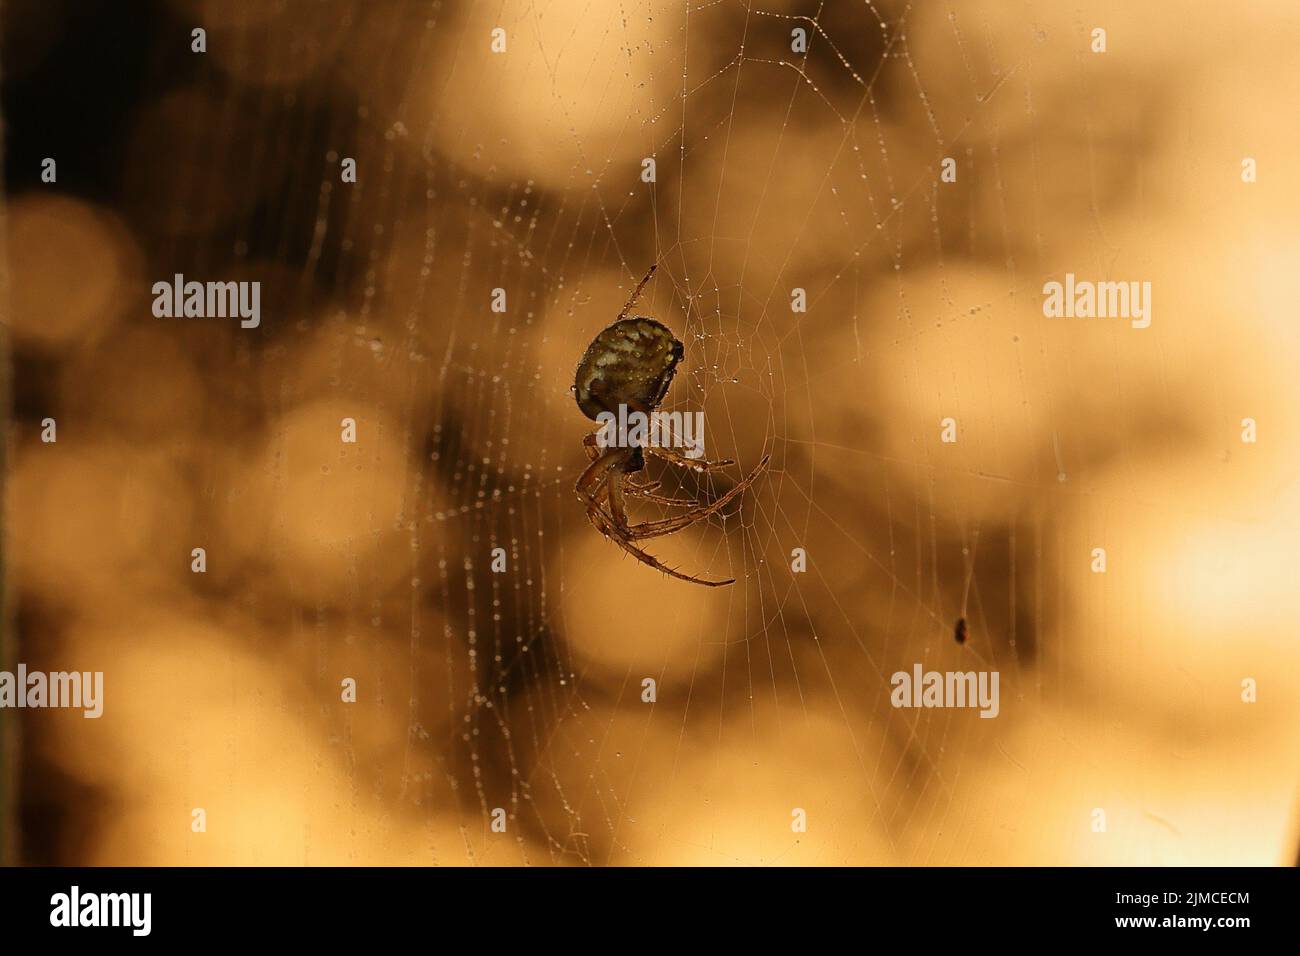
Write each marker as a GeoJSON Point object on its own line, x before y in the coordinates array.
{"type": "Point", "coordinates": [629, 363]}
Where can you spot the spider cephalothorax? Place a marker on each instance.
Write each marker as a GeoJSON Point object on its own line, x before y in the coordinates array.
{"type": "Point", "coordinates": [628, 367]}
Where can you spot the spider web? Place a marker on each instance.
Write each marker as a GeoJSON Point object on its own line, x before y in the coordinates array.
{"type": "Point", "coordinates": [778, 171]}
{"type": "Point", "coordinates": [853, 208]}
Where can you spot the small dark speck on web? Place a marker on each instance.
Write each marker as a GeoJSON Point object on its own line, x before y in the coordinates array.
{"type": "Point", "coordinates": [959, 631]}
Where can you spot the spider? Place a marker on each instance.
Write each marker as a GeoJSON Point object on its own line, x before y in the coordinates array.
{"type": "Point", "coordinates": [631, 363]}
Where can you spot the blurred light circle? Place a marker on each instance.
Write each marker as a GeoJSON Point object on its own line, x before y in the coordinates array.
{"type": "Point", "coordinates": [328, 516]}
{"type": "Point", "coordinates": [72, 270]}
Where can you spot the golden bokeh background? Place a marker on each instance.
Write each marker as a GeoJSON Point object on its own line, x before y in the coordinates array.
{"type": "Point", "coordinates": [775, 169]}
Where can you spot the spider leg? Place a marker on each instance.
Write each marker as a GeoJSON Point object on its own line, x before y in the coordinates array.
{"type": "Point", "coordinates": [655, 529]}
{"type": "Point", "coordinates": [591, 445]}
{"type": "Point", "coordinates": [636, 292]}
{"type": "Point", "coordinates": [646, 492]}
{"type": "Point", "coordinates": [673, 456]}
{"type": "Point", "coordinates": [635, 490]}
{"type": "Point", "coordinates": [662, 500]}
{"type": "Point", "coordinates": [673, 442]}
{"type": "Point", "coordinates": [598, 472]}
{"type": "Point", "coordinates": [617, 510]}
{"type": "Point", "coordinates": [658, 565]}
{"type": "Point", "coordinates": [593, 491]}
{"type": "Point", "coordinates": [599, 481]}
{"type": "Point", "coordinates": [612, 524]}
